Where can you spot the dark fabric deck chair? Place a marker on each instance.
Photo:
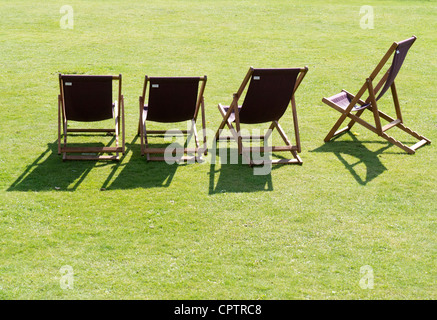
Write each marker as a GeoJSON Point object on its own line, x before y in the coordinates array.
{"type": "Point", "coordinates": [88, 98]}
{"type": "Point", "coordinates": [172, 100]}
{"type": "Point", "coordinates": [352, 106]}
{"type": "Point", "coordinates": [268, 96]}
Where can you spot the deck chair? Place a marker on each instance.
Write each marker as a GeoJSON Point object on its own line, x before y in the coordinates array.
{"type": "Point", "coordinates": [352, 106]}
{"type": "Point", "coordinates": [88, 98]}
{"type": "Point", "coordinates": [172, 100]}
{"type": "Point", "coordinates": [269, 92]}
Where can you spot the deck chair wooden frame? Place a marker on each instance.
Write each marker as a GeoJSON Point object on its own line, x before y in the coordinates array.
{"type": "Point", "coordinates": [348, 104]}
{"type": "Point", "coordinates": [231, 115]}
{"type": "Point", "coordinates": [186, 103]}
{"type": "Point", "coordinates": [93, 92]}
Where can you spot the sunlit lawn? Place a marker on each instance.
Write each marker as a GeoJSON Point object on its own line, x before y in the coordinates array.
{"type": "Point", "coordinates": [139, 230]}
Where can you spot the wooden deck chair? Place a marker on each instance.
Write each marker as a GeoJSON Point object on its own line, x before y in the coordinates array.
{"type": "Point", "coordinates": [268, 95]}
{"type": "Point", "coordinates": [348, 104]}
{"type": "Point", "coordinates": [88, 98]}
{"type": "Point", "coordinates": [172, 100]}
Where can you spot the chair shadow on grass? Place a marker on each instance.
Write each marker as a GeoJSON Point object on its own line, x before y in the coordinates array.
{"type": "Point", "coordinates": [48, 172]}
{"type": "Point", "coordinates": [228, 176]}
{"type": "Point", "coordinates": [134, 173]}
{"type": "Point", "coordinates": [347, 151]}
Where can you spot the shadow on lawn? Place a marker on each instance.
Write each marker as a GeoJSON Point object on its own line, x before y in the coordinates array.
{"type": "Point", "coordinates": [345, 150]}
{"type": "Point", "coordinates": [138, 173]}
{"type": "Point", "coordinates": [49, 172]}
{"type": "Point", "coordinates": [236, 178]}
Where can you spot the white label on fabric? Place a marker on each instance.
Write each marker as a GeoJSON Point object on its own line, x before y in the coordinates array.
{"type": "Point", "coordinates": [256, 77]}
{"type": "Point", "coordinates": [68, 84]}
{"type": "Point", "coordinates": [155, 85]}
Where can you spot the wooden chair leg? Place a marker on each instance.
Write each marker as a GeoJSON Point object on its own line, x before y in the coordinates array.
{"type": "Point", "coordinates": [334, 129]}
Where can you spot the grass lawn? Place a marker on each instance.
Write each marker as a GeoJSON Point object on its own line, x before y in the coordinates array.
{"type": "Point", "coordinates": [357, 207]}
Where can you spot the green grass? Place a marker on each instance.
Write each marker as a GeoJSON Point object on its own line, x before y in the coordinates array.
{"type": "Point", "coordinates": [216, 231]}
